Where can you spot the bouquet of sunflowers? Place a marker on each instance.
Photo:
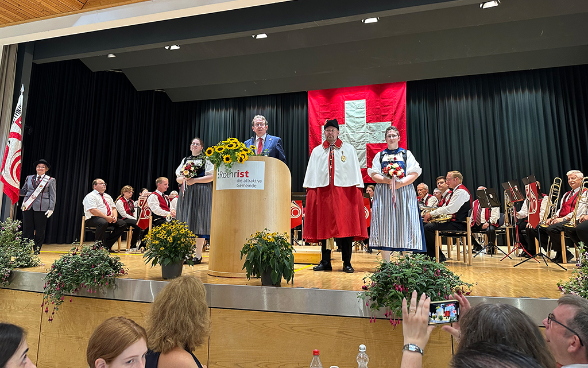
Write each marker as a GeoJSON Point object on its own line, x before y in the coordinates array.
{"type": "Point", "coordinates": [227, 152]}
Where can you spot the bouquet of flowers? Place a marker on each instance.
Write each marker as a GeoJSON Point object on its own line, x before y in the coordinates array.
{"type": "Point", "coordinates": [393, 170]}
{"type": "Point", "coordinates": [191, 168]}
{"type": "Point", "coordinates": [227, 152]}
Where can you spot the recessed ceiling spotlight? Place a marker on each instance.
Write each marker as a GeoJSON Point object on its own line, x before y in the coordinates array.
{"type": "Point", "coordinates": [489, 4]}
{"type": "Point", "coordinates": [172, 47]}
{"type": "Point", "coordinates": [111, 55]}
{"type": "Point", "coordinates": [258, 36]}
{"type": "Point", "coordinates": [370, 20]}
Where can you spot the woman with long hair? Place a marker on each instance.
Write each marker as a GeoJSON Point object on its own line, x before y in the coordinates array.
{"type": "Point", "coordinates": [116, 343]}
{"type": "Point", "coordinates": [178, 322]}
{"type": "Point", "coordinates": [13, 347]}
{"type": "Point", "coordinates": [195, 198]}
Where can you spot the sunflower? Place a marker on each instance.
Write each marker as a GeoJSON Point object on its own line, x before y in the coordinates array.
{"type": "Point", "coordinates": [209, 151]}
{"type": "Point", "coordinates": [231, 145]}
{"type": "Point", "coordinates": [241, 159]}
{"type": "Point", "coordinates": [252, 148]}
{"type": "Point", "coordinates": [227, 159]}
{"type": "Point", "coordinates": [234, 140]}
{"type": "Point", "coordinates": [219, 148]}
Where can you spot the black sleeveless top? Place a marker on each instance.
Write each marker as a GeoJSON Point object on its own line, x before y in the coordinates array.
{"type": "Point", "coordinates": [152, 359]}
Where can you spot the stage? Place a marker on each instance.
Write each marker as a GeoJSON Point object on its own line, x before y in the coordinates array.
{"type": "Point", "coordinates": [493, 277]}
{"type": "Point", "coordinates": [250, 323]}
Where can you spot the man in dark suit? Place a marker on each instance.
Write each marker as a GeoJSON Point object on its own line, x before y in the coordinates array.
{"type": "Point", "coordinates": [265, 144]}
{"type": "Point", "coordinates": [38, 204]}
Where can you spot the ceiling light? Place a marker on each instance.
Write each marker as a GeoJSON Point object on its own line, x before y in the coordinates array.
{"type": "Point", "coordinates": [370, 20]}
{"type": "Point", "coordinates": [258, 36]}
{"type": "Point", "coordinates": [111, 55]}
{"type": "Point", "coordinates": [489, 4]}
{"type": "Point", "coordinates": [172, 47]}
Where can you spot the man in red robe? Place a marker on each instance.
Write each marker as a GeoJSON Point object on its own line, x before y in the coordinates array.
{"type": "Point", "coordinates": [334, 202]}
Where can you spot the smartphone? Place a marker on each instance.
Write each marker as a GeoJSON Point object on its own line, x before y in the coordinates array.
{"type": "Point", "coordinates": [446, 311]}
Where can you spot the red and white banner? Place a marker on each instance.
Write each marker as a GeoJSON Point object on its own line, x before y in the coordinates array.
{"type": "Point", "coordinates": [363, 114]}
{"type": "Point", "coordinates": [533, 204]}
{"type": "Point", "coordinates": [295, 214]}
{"type": "Point", "coordinates": [368, 211]}
{"type": "Point", "coordinates": [145, 212]}
{"type": "Point", "coordinates": [12, 155]}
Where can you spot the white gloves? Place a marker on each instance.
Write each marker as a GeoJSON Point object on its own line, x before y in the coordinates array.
{"type": "Point", "coordinates": [49, 213]}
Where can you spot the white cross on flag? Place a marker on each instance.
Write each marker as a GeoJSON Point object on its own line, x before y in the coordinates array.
{"type": "Point", "coordinates": [11, 161]}
{"type": "Point", "coordinates": [363, 114]}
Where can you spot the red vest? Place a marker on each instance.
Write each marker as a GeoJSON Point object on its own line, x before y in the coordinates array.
{"type": "Point", "coordinates": [163, 201]}
{"type": "Point", "coordinates": [568, 204]}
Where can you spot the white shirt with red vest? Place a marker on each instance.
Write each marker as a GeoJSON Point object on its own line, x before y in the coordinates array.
{"type": "Point", "coordinates": [524, 212]}
{"type": "Point", "coordinates": [444, 198]}
{"type": "Point", "coordinates": [489, 215]}
{"type": "Point", "coordinates": [158, 203]}
{"type": "Point", "coordinates": [567, 204]}
{"type": "Point", "coordinates": [123, 207]}
{"type": "Point", "coordinates": [457, 198]}
{"type": "Point", "coordinates": [429, 201]}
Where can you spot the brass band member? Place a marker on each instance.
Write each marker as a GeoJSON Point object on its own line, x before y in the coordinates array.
{"type": "Point", "coordinates": [560, 218]}
{"type": "Point", "coordinates": [579, 233]}
{"type": "Point", "coordinates": [425, 199]}
{"type": "Point", "coordinates": [437, 194]}
{"type": "Point", "coordinates": [458, 205]}
{"type": "Point", "coordinates": [484, 220]}
{"type": "Point", "coordinates": [445, 190]}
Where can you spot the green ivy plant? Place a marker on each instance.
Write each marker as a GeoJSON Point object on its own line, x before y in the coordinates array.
{"type": "Point", "coordinates": [87, 267]}
{"type": "Point", "coordinates": [15, 251]}
{"type": "Point", "coordinates": [578, 282]}
{"type": "Point", "coordinates": [269, 252]}
{"type": "Point", "coordinates": [170, 243]}
{"type": "Point", "coordinates": [395, 280]}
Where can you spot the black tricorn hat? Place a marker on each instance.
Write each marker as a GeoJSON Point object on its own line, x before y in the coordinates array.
{"type": "Point", "coordinates": [42, 161]}
{"type": "Point", "coordinates": [332, 123]}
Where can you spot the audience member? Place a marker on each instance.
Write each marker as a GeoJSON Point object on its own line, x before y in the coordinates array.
{"type": "Point", "coordinates": [484, 354]}
{"type": "Point", "coordinates": [100, 212]}
{"type": "Point", "coordinates": [117, 342]}
{"type": "Point", "coordinates": [13, 347]}
{"type": "Point", "coordinates": [566, 331]}
{"type": "Point", "coordinates": [178, 322]}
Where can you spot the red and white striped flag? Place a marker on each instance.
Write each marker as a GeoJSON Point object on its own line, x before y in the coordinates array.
{"type": "Point", "coordinates": [11, 161]}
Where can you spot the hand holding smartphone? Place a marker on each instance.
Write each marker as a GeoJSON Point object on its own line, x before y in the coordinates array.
{"type": "Point", "coordinates": [446, 311]}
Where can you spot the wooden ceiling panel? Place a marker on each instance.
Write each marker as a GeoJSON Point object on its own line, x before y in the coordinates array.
{"type": "Point", "coordinates": [21, 11]}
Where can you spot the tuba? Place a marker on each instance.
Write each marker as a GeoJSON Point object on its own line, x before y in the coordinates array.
{"type": "Point", "coordinates": [581, 198]}
{"type": "Point", "coordinates": [552, 199]}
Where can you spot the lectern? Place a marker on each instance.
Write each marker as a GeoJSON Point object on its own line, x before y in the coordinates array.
{"type": "Point", "coordinates": [239, 213]}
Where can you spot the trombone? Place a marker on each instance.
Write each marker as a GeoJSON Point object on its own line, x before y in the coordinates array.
{"type": "Point", "coordinates": [581, 198]}
{"type": "Point", "coordinates": [553, 198]}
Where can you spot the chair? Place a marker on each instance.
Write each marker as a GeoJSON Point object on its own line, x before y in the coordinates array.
{"type": "Point", "coordinates": [466, 242]}
{"type": "Point", "coordinates": [91, 229]}
{"type": "Point", "coordinates": [129, 236]}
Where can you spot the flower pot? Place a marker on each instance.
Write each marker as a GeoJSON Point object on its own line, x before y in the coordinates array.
{"type": "Point", "coordinates": [171, 271]}
{"type": "Point", "coordinates": [266, 279]}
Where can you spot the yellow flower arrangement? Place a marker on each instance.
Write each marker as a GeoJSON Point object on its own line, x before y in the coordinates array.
{"type": "Point", "coordinates": [228, 152]}
{"type": "Point", "coordinates": [269, 252]}
{"type": "Point", "coordinates": [172, 242]}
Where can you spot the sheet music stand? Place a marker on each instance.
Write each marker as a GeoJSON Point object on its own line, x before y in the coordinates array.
{"type": "Point", "coordinates": [488, 198]}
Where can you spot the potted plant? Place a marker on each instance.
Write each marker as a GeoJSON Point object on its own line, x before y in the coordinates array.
{"type": "Point", "coordinates": [170, 245]}
{"type": "Point", "coordinates": [392, 281]}
{"type": "Point", "coordinates": [15, 251]}
{"type": "Point", "coordinates": [269, 256]}
{"type": "Point", "coordinates": [87, 267]}
{"type": "Point", "coordinates": [578, 282]}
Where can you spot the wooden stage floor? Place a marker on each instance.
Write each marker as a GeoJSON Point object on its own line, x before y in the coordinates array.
{"type": "Point", "coordinates": [493, 277]}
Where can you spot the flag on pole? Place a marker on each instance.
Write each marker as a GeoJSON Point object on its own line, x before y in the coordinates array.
{"type": "Point", "coordinates": [11, 161]}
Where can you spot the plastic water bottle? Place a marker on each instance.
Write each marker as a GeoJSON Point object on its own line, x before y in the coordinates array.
{"type": "Point", "coordinates": [362, 358]}
{"type": "Point", "coordinates": [316, 361]}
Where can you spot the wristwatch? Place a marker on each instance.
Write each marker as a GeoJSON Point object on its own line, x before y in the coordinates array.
{"type": "Point", "coordinates": [413, 347]}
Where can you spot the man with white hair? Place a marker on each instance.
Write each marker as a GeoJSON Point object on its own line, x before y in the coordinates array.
{"type": "Point", "coordinates": [563, 216]}
{"type": "Point", "coordinates": [425, 199]}
{"type": "Point", "coordinates": [566, 331]}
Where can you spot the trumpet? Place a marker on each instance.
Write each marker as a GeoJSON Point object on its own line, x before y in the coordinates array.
{"type": "Point", "coordinates": [552, 198]}
{"type": "Point", "coordinates": [581, 198]}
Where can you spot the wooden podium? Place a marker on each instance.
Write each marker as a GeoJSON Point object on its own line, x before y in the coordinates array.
{"type": "Point", "coordinates": [239, 213]}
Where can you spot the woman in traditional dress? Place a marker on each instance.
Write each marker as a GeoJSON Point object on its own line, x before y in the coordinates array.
{"type": "Point", "coordinates": [195, 200]}
{"type": "Point", "coordinates": [396, 223]}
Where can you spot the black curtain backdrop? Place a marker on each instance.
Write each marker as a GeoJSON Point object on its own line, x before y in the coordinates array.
{"type": "Point", "coordinates": [96, 125]}
{"type": "Point", "coordinates": [492, 128]}
{"type": "Point", "coordinates": [498, 127]}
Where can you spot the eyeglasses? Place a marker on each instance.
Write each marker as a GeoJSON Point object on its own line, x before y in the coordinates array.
{"type": "Point", "coordinates": [100, 183]}
{"type": "Point", "coordinates": [259, 124]}
{"type": "Point", "coordinates": [551, 318]}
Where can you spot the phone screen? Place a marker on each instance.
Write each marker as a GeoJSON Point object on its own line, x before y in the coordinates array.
{"type": "Point", "coordinates": [446, 311]}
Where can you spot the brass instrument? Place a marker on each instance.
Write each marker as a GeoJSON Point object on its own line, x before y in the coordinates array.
{"type": "Point", "coordinates": [435, 219]}
{"type": "Point", "coordinates": [508, 205]}
{"type": "Point", "coordinates": [581, 198]}
{"type": "Point", "coordinates": [552, 199]}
